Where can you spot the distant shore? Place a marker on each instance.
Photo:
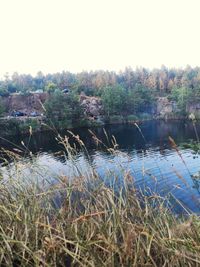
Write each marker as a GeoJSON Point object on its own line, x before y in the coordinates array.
{"type": "Point", "coordinates": [24, 125]}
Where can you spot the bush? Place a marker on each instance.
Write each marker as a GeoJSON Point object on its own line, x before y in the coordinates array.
{"type": "Point", "coordinates": [63, 110]}
{"type": "Point", "coordinates": [145, 116]}
{"type": "Point", "coordinates": [131, 118]}
{"type": "Point", "coordinates": [116, 119]}
{"type": "Point", "coordinates": [24, 126]}
{"type": "Point", "coordinates": [4, 92]}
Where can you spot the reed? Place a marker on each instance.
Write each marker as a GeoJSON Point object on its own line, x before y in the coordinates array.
{"type": "Point", "coordinates": [93, 224]}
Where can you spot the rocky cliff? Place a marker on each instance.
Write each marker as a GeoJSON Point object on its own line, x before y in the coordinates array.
{"type": "Point", "coordinates": [25, 103]}
{"type": "Point", "coordinates": [92, 106]}
{"type": "Point", "coordinates": [165, 108]}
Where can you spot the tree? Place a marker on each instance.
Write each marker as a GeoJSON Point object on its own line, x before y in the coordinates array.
{"type": "Point", "coordinates": [182, 96]}
{"type": "Point", "coordinates": [56, 108]}
{"type": "Point", "coordinates": [140, 99]}
{"type": "Point", "coordinates": [63, 109]}
{"type": "Point", "coordinates": [51, 87]}
{"type": "Point", "coordinates": [4, 91]}
{"type": "Point", "coordinates": [113, 99]}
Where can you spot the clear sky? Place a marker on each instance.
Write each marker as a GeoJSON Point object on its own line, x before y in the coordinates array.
{"type": "Point", "coordinates": [76, 35]}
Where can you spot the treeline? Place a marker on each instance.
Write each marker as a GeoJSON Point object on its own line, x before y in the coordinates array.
{"type": "Point", "coordinates": [129, 92]}
{"type": "Point", "coordinates": [161, 80]}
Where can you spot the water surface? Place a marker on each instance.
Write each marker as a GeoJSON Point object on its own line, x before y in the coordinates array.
{"type": "Point", "coordinates": [146, 152]}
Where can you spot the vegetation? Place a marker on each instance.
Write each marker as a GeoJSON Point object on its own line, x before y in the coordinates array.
{"type": "Point", "coordinates": [12, 127]}
{"type": "Point", "coordinates": [129, 92]}
{"type": "Point", "coordinates": [63, 110]}
{"type": "Point", "coordinates": [120, 101]}
{"type": "Point", "coordinates": [161, 80]}
{"type": "Point", "coordinates": [83, 222]}
{"type": "Point", "coordinates": [138, 85]}
{"type": "Point", "coordinates": [2, 109]}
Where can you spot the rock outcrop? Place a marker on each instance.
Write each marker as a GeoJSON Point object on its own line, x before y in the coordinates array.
{"type": "Point", "coordinates": [92, 106]}
{"type": "Point", "coordinates": [25, 103]}
{"type": "Point", "coordinates": [165, 108]}
{"type": "Point", "coordinates": [194, 108]}
{"type": "Point", "coordinates": [34, 102]}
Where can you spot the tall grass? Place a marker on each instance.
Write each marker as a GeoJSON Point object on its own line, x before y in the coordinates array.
{"type": "Point", "coordinates": [93, 225]}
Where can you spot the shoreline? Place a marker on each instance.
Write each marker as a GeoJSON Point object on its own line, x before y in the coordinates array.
{"type": "Point", "coordinates": [29, 125]}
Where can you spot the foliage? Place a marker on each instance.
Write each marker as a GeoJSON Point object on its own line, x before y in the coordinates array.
{"type": "Point", "coordinates": [182, 96]}
{"type": "Point", "coordinates": [32, 123]}
{"type": "Point", "coordinates": [140, 99]}
{"type": "Point", "coordinates": [4, 92]}
{"type": "Point", "coordinates": [56, 107]}
{"type": "Point", "coordinates": [132, 118]}
{"type": "Point", "coordinates": [116, 119]}
{"type": "Point", "coordinates": [63, 109]}
{"type": "Point", "coordinates": [124, 93]}
{"type": "Point", "coordinates": [51, 87]}
{"type": "Point", "coordinates": [2, 108]}
{"type": "Point", "coordinates": [120, 101]}
{"type": "Point", "coordinates": [113, 99]}
{"type": "Point", "coordinates": [92, 83]}
{"type": "Point", "coordinates": [145, 116]}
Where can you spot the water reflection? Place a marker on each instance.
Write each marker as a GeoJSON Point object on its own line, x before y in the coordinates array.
{"type": "Point", "coordinates": [152, 162]}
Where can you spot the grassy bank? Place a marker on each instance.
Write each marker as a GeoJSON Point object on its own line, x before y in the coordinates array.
{"type": "Point", "coordinates": [17, 126]}
{"type": "Point", "coordinates": [21, 125]}
{"type": "Point", "coordinates": [83, 222]}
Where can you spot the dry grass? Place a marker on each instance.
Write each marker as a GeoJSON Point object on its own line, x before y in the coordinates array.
{"type": "Point", "coordinates": [93, 226]}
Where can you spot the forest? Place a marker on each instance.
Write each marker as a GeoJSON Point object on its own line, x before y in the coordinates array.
{"type": "Point", "coordinates": [162, 80]}
{"type": "Point", "coordinates": [123, 93]}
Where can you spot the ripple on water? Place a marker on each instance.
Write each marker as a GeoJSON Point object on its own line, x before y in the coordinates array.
{"type": "Point", "coordinates": [153, 164]}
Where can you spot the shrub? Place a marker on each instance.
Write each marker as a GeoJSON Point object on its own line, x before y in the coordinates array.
{"type": "Point", "coordinates": [145, 116]}
{"type": "Point", "coordinates": [131, 118]}
{"type": "Point", "coordinates": [116, 119]}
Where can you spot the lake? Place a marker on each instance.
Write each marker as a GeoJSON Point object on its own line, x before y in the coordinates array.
{"type": "Point", "coordinates": [145, 151]}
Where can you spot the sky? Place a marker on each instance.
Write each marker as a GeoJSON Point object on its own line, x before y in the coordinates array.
{"type": "Point", "coordinates": [75, 35]}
